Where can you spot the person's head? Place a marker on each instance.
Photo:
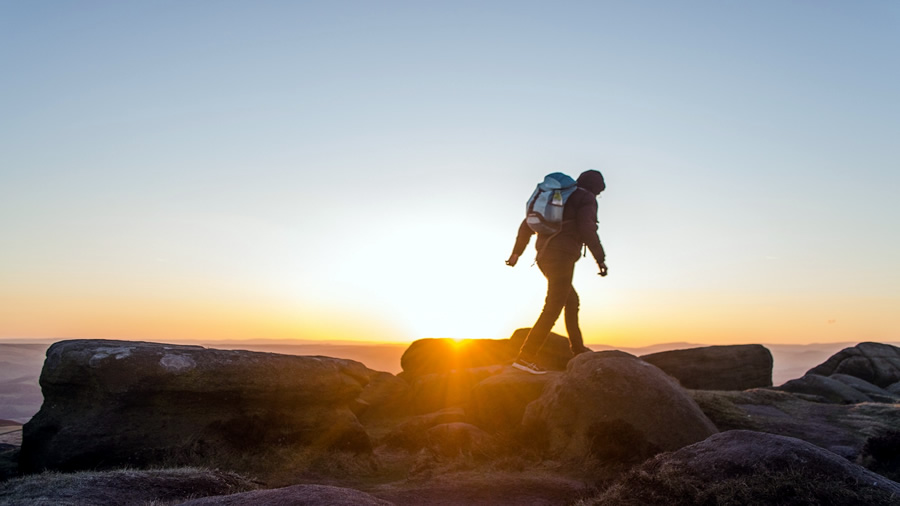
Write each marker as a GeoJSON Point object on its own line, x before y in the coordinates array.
{"type": "Point", "coordinates": [592, 181]}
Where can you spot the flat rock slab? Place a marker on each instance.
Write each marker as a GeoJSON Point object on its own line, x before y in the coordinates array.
{"type": "Point", "coordinates": [737, 367]}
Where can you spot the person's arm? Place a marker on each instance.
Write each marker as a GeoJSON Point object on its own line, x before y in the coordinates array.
{"type": "Point", "coordinates": [522, 240]}
{"type": "Point", "coordinates": [586, 221]}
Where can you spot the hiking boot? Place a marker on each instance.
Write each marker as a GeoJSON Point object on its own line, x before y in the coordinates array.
{"type": "Point", "coordinates": [531, 367]}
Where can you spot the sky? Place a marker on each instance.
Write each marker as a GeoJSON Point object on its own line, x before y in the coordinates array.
{"type": "Point", "coordinates": [357, 170]}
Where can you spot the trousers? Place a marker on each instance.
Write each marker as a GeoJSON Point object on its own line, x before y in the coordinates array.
{"type": "Point", "coordinates": [560, 295]}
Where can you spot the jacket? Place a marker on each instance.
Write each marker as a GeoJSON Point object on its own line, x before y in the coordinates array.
{"type": "Point", "coordinates": [579, 226]}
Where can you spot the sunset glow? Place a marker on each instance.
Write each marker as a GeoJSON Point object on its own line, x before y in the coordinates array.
{"type": "Point", "coordinates": [357, 172]}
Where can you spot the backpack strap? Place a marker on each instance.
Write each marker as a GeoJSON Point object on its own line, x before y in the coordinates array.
{"type": "Point", "coordinates": [561, 225]}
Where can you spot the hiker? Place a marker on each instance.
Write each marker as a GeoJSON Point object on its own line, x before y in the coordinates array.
{"type": "Point", "coordinates": [556, 257]}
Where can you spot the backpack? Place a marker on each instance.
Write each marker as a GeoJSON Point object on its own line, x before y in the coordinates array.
{"type": "Point", "coordinates": [544, 210]}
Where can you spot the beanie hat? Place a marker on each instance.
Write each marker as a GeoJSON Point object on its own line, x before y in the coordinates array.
{"type": "Point", "coordinates": [592, 181]}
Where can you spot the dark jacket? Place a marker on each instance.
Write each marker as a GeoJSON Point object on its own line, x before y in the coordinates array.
{"type": "Point", "coordinates": [579, 225]}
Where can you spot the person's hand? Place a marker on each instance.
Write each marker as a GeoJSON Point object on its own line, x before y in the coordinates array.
{"type": "Point", "coordinates": [603, 269]}
{"type": "Point", "coordinates": [513, 258]}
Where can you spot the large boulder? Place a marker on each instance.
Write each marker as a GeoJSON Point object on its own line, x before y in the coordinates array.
{"type": "Point", "coordinates": [297, 495]}
{"type": "Point", "coordinates": [121, 403]}
{"type": "Point", "coordinates": [440, 356]}
{"type": "Point", "coordinates": [616, 407]}
{"type": "Point", "coordinates": [826, 388]}
{"type": "Point", "coordinates": [876, 363]}
{"type": "Point", "coordinates": [746, 467]}
{"type": "Point", "coordinates": [737, 367]}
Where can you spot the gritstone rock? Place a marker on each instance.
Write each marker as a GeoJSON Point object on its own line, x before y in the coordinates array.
{"type": "Point", "coordinates": [746, 467]}
{"type": "Point", "coordinates": [874, 392]}
{"type": "Point", "coordinates": [616, 407]}
{"type": "Point", "coordinates": [738, 367]}
{"type": "Point", "coordinates": [431, 356]}
{"type": "Point", "coordinates": [499, 401]}
{"type": "Point", "coordinates": [830, 390]}
{"type": "Point", "coordinates": [121, 403]}
{"type": "Point", "coordinates": [876, 363]}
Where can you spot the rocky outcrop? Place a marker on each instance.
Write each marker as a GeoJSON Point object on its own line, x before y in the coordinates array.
{"type": "Point", "coordinates": [827, 389]}
{"type": "Point", "coordinates": [305, 495]}
{"type": "Point", "coordinates": [876, 363]}
{"type": "Point", "coordinates": [737, 367]}
{"type": "Point", "coordinates": [121, 403]}
{"type": "Point", "coordinates": [440, 356]}
{"type": "Point", "coordinates": [745, 467]}
{"type": "Point", "coordinates": [617, 407]}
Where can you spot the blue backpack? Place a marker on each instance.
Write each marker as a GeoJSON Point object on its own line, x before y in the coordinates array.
{"type": "Point", "coordinates": [544, 211]}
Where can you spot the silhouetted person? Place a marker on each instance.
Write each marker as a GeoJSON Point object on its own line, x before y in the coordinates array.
{"type": "Point", "coordinates": [556, 257]}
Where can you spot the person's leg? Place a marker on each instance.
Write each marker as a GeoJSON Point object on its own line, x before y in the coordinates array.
{"type": "Point", "coordinates": [559, 284]}
{"type": "Point", "coordinates": [576, 342]}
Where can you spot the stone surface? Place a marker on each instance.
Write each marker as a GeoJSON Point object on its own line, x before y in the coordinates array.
{"type": "Point", "coordinates": [498, 402]}
{"type": "Point", "coordinates": [737, 367]}
{"type": "Point", "coordinates": [876, 363]}
{"type": "Point", "coordinates": [438, 356]}
{"type": "Point", "coordinates": [555, 354]}
{"type": "Point", "coordinates": [746, 467]}
{"type": "Point", "coordinates": [616, 407]}
{"type": "Point", "coordinates": [297, 495]}
{"type": "Point", "coordinates": [121, 403]}
{"type": "Point", "coordinates": [122, 487]}
{"type": "Point", "coordinates": [385, 396]}
{"type": "Point", "coordinates": [436, 391]}
{"type": "Point", "coordinates": [874, 392]}
{"type": "Point", "coordinates": [828, 389]}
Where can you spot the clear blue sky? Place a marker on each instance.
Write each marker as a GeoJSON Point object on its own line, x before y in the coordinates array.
{"type": "Point", "coordinates": [333, 170]}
